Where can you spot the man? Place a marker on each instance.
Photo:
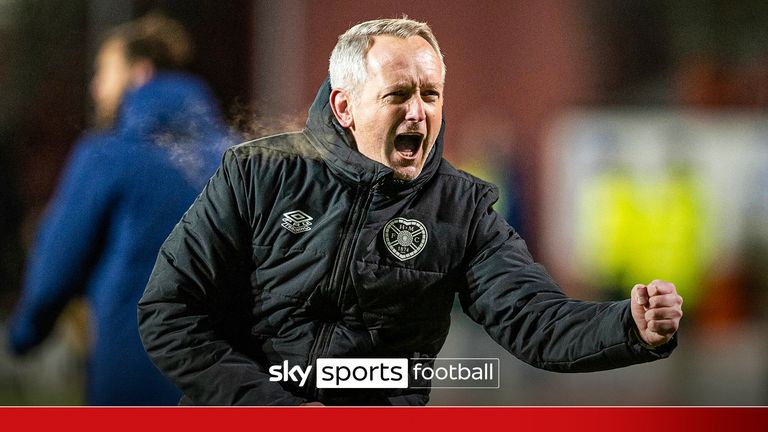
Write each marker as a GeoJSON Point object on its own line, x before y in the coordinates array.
{"type": "Point", "coordinates": [351, 238]}
{"type": "Point", "coordinates": [122, 190]}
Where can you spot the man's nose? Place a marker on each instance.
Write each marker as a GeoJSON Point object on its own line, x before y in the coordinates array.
{"type": "Point", "coordinates": [415, 111]}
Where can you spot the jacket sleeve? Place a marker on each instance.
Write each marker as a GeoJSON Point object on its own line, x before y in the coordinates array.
{"type": "Point", "coordinates": [188, 313]}
{"type": "Point", "coordinates": [524, 310]}
{"type": "Point", "coordinates": [66, 246]}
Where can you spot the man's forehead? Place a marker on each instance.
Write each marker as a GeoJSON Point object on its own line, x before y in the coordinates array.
{"type": "Point", "coordinates": [388, 53]}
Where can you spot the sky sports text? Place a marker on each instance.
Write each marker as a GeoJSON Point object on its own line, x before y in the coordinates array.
{"type": "Point", "coordinates": [357, 373]}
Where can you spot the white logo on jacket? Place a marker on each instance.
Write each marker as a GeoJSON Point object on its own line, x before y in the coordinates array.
{"type": "Point", "coordinates": [296, 221]}
{"type": "Point", "coordinates": [405, 238]}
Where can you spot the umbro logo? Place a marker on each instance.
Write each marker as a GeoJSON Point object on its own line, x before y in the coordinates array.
{"type": "Point", "coordinates": [296, 221]}
{"type": "Point", "coordinates": [405, 238]}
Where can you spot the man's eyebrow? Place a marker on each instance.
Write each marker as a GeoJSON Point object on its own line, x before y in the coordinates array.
{"type": "Point", "coordinates": [398, 86]}
{"type": "Point", "coordinates": [432, 85]}
{"type": "Point", "coordinates": [401, 85]}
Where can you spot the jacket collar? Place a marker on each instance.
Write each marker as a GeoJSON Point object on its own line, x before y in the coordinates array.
{"type": "Point", "coordinates": [337, 149]}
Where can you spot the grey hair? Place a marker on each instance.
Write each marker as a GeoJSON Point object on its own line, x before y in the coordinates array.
{"type": "Point", "coordinates": [348, 67]}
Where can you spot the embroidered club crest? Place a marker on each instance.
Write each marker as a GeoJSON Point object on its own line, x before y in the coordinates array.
{"type": "Point", "coordinates": [296, 221]}
{"type": "Point", "coordinates": [405, 238]}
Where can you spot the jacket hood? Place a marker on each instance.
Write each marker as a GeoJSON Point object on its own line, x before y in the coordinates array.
{"type": "Point", "coordinates": [336, 147]}
{"type": "Point", "coordinates": [170, 104]}
{"type": "Point", "coordinates": [177, 113]}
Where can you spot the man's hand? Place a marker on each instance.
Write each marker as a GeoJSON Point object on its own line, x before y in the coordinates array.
{"type": "Point", "coordinates": [657, 309]}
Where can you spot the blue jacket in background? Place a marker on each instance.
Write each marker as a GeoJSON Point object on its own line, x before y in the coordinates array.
{"type": "Point", "coordinates": [120, 195]}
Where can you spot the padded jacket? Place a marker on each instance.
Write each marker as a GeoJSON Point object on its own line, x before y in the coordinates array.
{"type": "Point", "coordinates": [301, 248]}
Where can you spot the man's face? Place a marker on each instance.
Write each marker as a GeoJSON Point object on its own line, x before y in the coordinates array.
{"type": "Point", "coordinates": [397, 112]}
{"type": "Point", "coordinates": [110, 81]}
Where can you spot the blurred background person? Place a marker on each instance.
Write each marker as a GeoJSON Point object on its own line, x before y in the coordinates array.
{"type": "Point", "coordinates": [125, 185]}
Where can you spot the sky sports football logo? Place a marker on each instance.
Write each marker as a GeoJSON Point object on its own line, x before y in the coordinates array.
{"type": "Point", "coordinates": [361, 373]}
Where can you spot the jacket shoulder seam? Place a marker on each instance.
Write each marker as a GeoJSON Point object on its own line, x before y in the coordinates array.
{"type": "Point", "coordinates": [463, 176]}
{"type": "Point", "coordinates": [262, 145]}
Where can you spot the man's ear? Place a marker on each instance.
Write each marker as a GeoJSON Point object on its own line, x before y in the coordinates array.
{"type": "Point", "coordinates": [342, 108]}
{"type": "Point", "coordinates": [141, 71]}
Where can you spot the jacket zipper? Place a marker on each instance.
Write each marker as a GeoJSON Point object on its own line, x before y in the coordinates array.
{"type": "Point", "coordinates": [339, 274]}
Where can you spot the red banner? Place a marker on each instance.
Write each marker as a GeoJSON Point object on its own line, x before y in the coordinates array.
{"type": "Point", "coordinates": [571, 419]}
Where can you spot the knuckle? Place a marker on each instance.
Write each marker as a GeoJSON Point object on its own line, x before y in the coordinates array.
{"type": "Point", "coordinates": [662, 300]}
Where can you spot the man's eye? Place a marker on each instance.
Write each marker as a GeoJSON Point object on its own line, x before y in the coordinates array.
{"type": "Point", "coordinates": [397, 95]}
{"type": "Point", "coordinates": [430, 95]}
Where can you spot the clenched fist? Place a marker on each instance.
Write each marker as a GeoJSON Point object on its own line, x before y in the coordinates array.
{"type": "Point", "coordinates": [656, 309]}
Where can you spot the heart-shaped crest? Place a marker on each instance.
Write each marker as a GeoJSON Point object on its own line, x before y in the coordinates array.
{"type": "Point", "coordinates": [405, 238]}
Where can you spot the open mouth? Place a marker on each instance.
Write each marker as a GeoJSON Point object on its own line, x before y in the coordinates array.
{"type": "Point", "coordinates": [408, 145]}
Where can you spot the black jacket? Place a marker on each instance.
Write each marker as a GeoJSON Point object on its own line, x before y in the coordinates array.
{"type": "Point", "coordinates": [301, 248]}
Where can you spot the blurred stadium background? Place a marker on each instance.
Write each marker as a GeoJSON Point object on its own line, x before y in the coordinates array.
{"type": "Point", "coordinates": [629, 138]}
